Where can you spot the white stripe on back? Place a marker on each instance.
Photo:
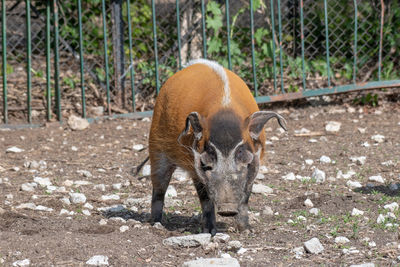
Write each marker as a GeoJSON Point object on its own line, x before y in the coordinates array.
{"type": "Point", "coordinates": [217, 68]}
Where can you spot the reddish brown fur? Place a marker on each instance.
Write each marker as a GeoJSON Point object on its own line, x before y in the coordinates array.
{"type": "Point", "coordinates": [196, 88]}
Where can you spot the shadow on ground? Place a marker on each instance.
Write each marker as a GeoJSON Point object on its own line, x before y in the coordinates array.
{"type": "Point", "coordinates": [392, 190]}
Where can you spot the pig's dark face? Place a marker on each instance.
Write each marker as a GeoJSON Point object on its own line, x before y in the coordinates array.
{"type": "Point", "coordinates": [227, 160]}
{"type": "Point", "coordinates": [228, 176]}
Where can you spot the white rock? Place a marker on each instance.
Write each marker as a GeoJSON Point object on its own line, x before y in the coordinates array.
{"type": "Point", "coordinates": [353, 184]}
{"type": "Point", "coordinates": [359, 160]}
{"type": "Point", "coordinates": [65, 200]}
{"type": "Point", "coordinates": [117, 186]}
{"type": "Point", "coordinates": [171, 191]}
{"type": "Point", "coordinates": [388, 163]}
{"type": "Point", "coordinates": [308, 203]}
{"type": "Point", "coordinates": [29, 187]}
{"type": "Point", "coordinates": [312, 140]}
{"type": "Point", "coordinates": [313, 246]}
{"type": "Point", "coordinates": [289, 177]}
{"type": "Point", "coordinates": [66, 212]}
{"type": "Point", "coordinates": [221, 238]}
{"type": "Point", "coordinates": [124, 228]}
{"type": "Point", "coordinates": [77, 198]}
{"type": "Point", "coordinates": [261, 189]}
{"type": "Point", "coordinates": [333, 126]}
{"type": "Point", "coordinates": [14, 149]}
{"type": "Point", "coordinates": [74, 148]}
{"type": "Point", "coordinates": [365, 144]}
{"type": "Point", "coordinates": [362, 130]}
{"type": "Point", "coordinates": [377, 178]}
{"type": "Point", "coordinates": [85, 173]}
{"type": "Point", "coordinates": [302, 131]}
{"type": "Point", "coordinates": [30, 206]}
{"type": "Point", "coordinates": [82, 182]}
{"type": "Point", "coordinates": [371, 244]}
{"type": "Point", "coordinates": [42, 181]}
{"type": "Point", "coordinates": [392, 207]}
{"type": "Point", "coordinates": [103, 222]}
{"type": "Point", "coordinates": [25, 262]}
{"type": "Point", "coordinates": [346, 176]}
{"type": "Point", "coordinates": [146, 170]}
{"type": "Point", "coordinates": [188, 240]}
{"type": "Point", "coordinates": [268, 211]}
{"type": "Point", "coordinates": [378, 138]}
{"type": "Point", "coordinates": [314, 211]}
{"type": "Point", "coordinates": [299, 251]}
{"type": "Point", "coordinates": [138, 147]}
{"type": "Point", "coordinates": [100, 187]}
{"type": "Point", "coordinates": [309, 161]}
{"type": "Point", "coordinates": [234, 245]}
{"type": "Point", "coordinates": [351, 250]}
{"type": "Point", "coordinates": [158, 226]}
{"type": "Point", "coordinates": [357, 212]}
{"type": "Point", "coordinates": [180, 175]}
{"type": "Point", "coordinates": [380, 218]}
{"type": "Point", "coordinates": [217, 262]}
{"type": "Point", "coordinates": [241, 251]}
{"type": "Point", "coordinates": [301, 218]}
{"type": "Point", "coordinates": [68, 183]}
{"type": "Point", "coordinates": [86, 212]}
{"type": "Point", "coordinates": [77, 123]}
{"type": "Point", "coordinates": [325, 159]}
{"type": "Point", "coordinates": [369, 264]}
{"type": "Point", "coordinates": [88, 206]}
{"type": "Point", "coordinates": [318, 175]}
{"type": "Point", "coordinates": [43, 208]}
{"type": "Point", "coordinates": [98, 260]}
{"type": "Point", "coordinates": [341, 240]}
{"type": "Point", "coordinates": [110, 197]}
{"type": "Point", "coordinates": [260, 176]}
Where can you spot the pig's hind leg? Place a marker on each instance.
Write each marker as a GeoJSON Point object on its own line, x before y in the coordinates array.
{"type": "Point", "coordinates": [161, 172]}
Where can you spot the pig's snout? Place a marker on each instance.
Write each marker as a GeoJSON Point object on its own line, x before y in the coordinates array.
{"type": "Point", "coordinates": [227, 209]}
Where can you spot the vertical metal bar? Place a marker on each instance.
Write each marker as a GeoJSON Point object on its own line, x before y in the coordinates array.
{"type": "Point", "coordinates": [228, 34]}
{"type": "Point", "coordinates": [29, 58]}
{"type": "Point", "coordinates": [81, 59]}
{"type": "Point", "coordinates": [302, 44]}
{"type": "Point", "coordinates": [280, 44]}
{"type": "Point", "coordinates": [178, 29]}
{"type": "Point", "coordinates": [153, 8]}
{"type": "Point", "coordinates": [273, 40]}
{"type": "Point", "coordinates": [4, 45]}
{"type": "Point", "coordinates": [328, 65]}
{"type": "Point", "coordinates": [48, 48]}
{"type": "Point", "coordinates": [253, 59]}
{"type": "Point", "coordinates": [103, 10]}
{"type": "Point", "coordinates": [128, 10]}
{"type": "Point", "coordinates": [355, 41]}
{"type": "Point", "coordinates": [203, 27]}
{"type": "Point", "coordinates": [381, 39]}
{"type": "Point", "coordinates": [56, 62]}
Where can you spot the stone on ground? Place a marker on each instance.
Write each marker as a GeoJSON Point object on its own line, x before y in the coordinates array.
{"type": "Point", "coordinates": [319, 176]}
{"type": "Point", "coordinates": [77, 198]}
{"type": "Point", "coordinates": [188, 240]}
{"type": "Point", "coordinates": [214, 262]}
{"type": "Point", "coordinates": [261, 189]}
{"type": "Point", "coordinates": [313, 246]}
{"type": "Point", "coordinates": [333, 126]}
{"type": "Point", "coordinates": [77, 123]}
{"type": "Point", "coordinates": [98, 260]}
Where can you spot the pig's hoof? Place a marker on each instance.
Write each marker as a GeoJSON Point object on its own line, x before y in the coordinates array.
{"type": "Point", "coordinates": [212, 231]}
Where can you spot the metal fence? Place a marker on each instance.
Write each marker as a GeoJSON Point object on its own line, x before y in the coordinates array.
{"type": "Point", "coordinates": [62, 57]}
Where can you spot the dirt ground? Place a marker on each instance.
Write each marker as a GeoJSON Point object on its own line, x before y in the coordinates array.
{"type": "Point", "coordinates": [105, 150]}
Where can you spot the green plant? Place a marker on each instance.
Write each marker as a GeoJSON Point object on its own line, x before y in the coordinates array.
{"type": "Point", "coordinates": [368, 99]}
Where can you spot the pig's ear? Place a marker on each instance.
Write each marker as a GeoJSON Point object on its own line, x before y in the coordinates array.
{"type": "Point", "coordinates": [193, 122]}
{"type": "Point", "coordinates": [257, 120]}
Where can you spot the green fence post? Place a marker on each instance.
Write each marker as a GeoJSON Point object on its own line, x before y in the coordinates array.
{"type": "Point", "coordinates": [81, 59]}
{"type": "Point", "coordinates": [328, 65]}
{"type": "Point", "coordinates": [280, 44]}
{"type": "Point", "coordinates": [29, 58]}
{"type": "Point", "coordinates": [355, 41]}
{"type": "Point", "coordinates": [128, 11]}
{"type": "Point", "coordinates": [253, 58]}
{"type": "Point", "coordinates": [178, 30]}
{"type": "Point", "coordinates": [203, 27]}
{"type": "Point", "coordinates": [228, 34]}
{"type": "Point", "coordinates": [302, 44]}
{"type": "Point", "coordinates": [103, 11]}
{"type": "Point", "coordinates": [273, 41]}
{"type": "Point", "coordinates": [57, 62]}
{"type": "Point", "coordinates": [48, 48]}
{"type": "Point", "coordinates": [153, 8]}
{"type": "Point", "coordinates": [4, 45]}
{"type": "Point", "coordinates": [381, 39]}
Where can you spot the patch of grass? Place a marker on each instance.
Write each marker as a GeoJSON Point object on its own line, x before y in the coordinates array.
{"type": "Point", "coordinates": [334, 231]}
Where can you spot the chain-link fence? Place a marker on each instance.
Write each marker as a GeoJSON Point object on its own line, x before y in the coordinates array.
{"type": "Point", "coordinates": [277, 37]}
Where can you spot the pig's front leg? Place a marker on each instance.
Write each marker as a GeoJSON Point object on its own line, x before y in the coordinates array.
{"type": "Point", "coordinates": [207, 206]}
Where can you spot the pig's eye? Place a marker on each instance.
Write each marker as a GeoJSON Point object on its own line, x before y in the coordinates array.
{"type": "Point", "coordinates": [205, 167]}
{"type": "Point", "coordinates": [243, 155]}
{"type": "Point", "coordinates": [208, 159]}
